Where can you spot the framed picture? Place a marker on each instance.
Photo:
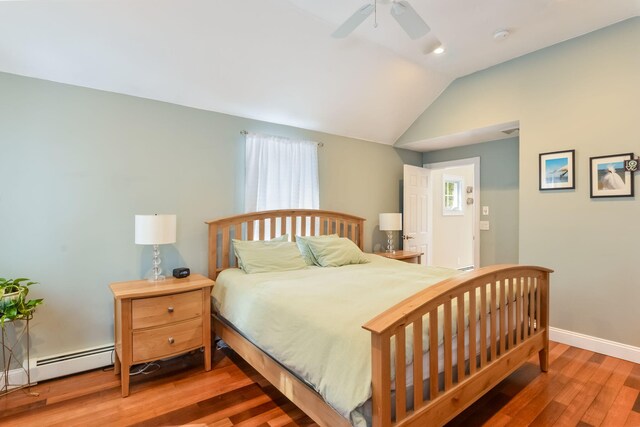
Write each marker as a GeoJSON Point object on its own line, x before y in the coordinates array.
{"type": "Point", "coordinates": [608, 177]}
{"type": "Point", "coordinates": [557, 170]}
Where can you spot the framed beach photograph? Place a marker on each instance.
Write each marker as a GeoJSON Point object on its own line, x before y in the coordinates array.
{"type": "Point", "coordinates": [557, 170]}
{"type": "Point", "coordinates": [608, 178]}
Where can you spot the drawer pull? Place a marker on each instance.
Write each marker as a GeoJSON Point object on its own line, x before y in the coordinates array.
{"type": "Point", "coordinates": [170, 309]}
{"type": "Point", "coordinates": [171, 340]}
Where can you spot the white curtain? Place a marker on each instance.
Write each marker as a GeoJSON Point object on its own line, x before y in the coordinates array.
{"type": "Point", "coordinates": [281, 173]}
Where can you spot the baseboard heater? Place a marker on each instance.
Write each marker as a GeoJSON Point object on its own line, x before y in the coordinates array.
{"type": "Point", "coordinates": [71, 363]}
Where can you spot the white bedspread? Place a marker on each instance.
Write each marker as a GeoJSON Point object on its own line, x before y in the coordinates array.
{"type": "Point", "coordinates": [310, 320]}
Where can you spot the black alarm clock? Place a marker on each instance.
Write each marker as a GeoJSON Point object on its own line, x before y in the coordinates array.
{"type": "Point", "coordinates": [181, 273]}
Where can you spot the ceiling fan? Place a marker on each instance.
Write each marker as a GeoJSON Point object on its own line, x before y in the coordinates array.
{"type": "Point", "coordinates": [401, 10]}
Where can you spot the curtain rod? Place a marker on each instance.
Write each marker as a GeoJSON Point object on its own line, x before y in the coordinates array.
{"type": "Point", "coordinates": [244, 132]}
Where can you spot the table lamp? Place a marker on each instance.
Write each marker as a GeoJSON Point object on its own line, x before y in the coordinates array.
{"type": "Point", "coordinates": [390, 222]}
{"type": "Point", "coordinates": [155, 230]}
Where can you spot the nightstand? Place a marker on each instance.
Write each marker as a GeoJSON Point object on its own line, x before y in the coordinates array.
{"type": "Point", "coordinates": [155, 320]}
{"type": "Point", "coordinates": [406, 256]}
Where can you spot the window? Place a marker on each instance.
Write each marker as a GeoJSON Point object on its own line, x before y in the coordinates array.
{"type": "Point", "coordinates": [281, 173]}
{"type": "Point", "coordinates": [452, 195]}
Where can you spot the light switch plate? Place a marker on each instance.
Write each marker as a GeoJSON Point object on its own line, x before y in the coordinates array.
{"type": "Point", "coordinates": [485, 210]}
{"type": "Point", "coordinates": [484, 225]}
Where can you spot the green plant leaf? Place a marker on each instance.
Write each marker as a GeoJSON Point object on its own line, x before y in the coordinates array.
{"type": "Point", "coordinates": [31, 304]}
{"type": "Point", "coordinates": [18, 307]}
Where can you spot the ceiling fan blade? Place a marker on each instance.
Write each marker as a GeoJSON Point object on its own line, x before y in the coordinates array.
{"type": "Point", "coordinates": [352, 23]}
{"type": "Point", "coordinates": [409, 19]}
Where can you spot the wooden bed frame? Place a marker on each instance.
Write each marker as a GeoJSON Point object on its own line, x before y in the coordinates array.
{"type": "Point", "coordinates": [521, 294]}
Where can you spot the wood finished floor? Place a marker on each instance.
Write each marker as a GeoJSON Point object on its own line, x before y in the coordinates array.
{"type": "Point", "coordinates": [582, 388]}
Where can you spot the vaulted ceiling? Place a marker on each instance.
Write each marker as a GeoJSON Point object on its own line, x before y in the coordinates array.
{"type": "Point", "coordinates": [274, 60]}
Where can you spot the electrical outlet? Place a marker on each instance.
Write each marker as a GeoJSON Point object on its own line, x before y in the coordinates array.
{"type": "Point", "coordinates": [485, 210]}
{"type": "Point", "coordinates": [484, 225]}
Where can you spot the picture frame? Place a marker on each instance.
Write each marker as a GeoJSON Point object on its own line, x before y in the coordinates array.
{"type": "Point", "coordinates": [608, 177]}
{"type": "Point", "coordinates": [557, 170]}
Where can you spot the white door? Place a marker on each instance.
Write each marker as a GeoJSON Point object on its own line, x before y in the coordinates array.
{"type": "Point", "coordinates": [415, 215]}
{"type": "Point", "coordinates": [454, 215]}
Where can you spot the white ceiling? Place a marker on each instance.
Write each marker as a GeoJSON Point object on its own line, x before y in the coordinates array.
{"type": "Point", "coordinates": [274, 60]}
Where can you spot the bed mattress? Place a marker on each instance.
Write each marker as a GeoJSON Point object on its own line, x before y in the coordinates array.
{"type": "Point", "coordinates": [310, 320]}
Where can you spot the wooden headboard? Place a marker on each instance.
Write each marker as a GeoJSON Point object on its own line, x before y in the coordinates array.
{"type": "Point", "coordinates": [269, 224]}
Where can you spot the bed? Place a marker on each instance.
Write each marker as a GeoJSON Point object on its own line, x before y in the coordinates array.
{"type": "Point", "coordinates": [495, 340]}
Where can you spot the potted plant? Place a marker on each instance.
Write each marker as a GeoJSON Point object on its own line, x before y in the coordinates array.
{"type": "Point", "coordinates": [13, 300]}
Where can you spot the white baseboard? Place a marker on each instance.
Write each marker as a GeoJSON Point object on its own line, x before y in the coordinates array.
{"type": "Point", "coordinates": [16, 378]}
{"type": "Point", "coordinates": [44, 368]}
{"type": "Point", "coordinates": [599, 345]}
{"type": "Point", "coordinates": [71, 363]}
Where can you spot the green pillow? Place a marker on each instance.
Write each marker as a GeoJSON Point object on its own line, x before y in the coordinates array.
{"type": "Point", "coordinates": [302, 242]}
{"type": "Point", "coordinates": [258, 256]}
{"type": "Point", "coordinates": [336, 252]}
{"type": "Point", "coordinates": [283, 238]}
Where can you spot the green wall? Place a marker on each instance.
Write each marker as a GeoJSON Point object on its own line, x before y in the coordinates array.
{"type": "Point", "coordinates": [583, 94]}
{"type": "Point", "coordinates": [78, 164]}
{"type": "Point", "coordinates": [498, 190]}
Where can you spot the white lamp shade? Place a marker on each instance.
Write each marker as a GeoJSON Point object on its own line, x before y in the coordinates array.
{"type": "Point", "coordinates": [155, 229]}
{"type": "Point", "coordinates": [390, 221]}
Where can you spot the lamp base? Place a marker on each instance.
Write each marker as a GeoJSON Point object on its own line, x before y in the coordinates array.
{"type": "Point", "coordinates": [390, 249]}
{"type": "Point", "coordinates": [156, 271]}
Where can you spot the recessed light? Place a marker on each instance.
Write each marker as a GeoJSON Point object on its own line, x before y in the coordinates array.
{"type": "Point", "coordinates": [432, 45]}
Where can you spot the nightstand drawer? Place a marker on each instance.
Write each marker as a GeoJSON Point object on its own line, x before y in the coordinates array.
{"type": "Point", "coordinates": [156, 343]}
{"type": "Point", "coordinates": [166, 309]}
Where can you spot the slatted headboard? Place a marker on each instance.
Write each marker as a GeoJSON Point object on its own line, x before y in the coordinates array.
{"type": "Point", "coordinates": [269, 224]}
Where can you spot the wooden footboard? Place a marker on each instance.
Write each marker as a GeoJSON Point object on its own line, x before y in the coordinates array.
{"type": "Point", "coordinates": [507, 304]}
